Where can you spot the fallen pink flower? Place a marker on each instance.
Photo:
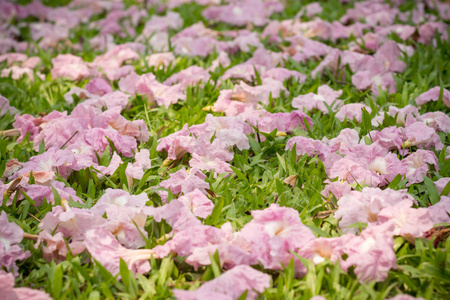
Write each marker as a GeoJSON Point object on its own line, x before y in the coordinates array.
{"type": "Point", "coordinates": [10, 235]}
{"type": "Point", "coordinates": [229, 286]}
{"type": "Point", "coordinates": [11, 293]}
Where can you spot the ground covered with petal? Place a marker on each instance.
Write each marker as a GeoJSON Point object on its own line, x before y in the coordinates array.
{"type": "Point", "coordinates": [234, 149]}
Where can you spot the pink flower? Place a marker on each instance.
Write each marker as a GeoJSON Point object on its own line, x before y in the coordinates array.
{"type": "Point", "coordinates": [160, 59]}
{"type": "Point", "coordinates": [176, 214]}
{"type": "Point", "coordinates": [11, 293]}
{"type": "Point", "coordinates": [274, 232]}
{"type": "Point", "coordinates": [208, 157]}
{"type": "Point", "coordinates": [324, 248]}
{"type": "Point", "coordinates": [240, 13]}
{"type": "Point", "coordinates": [364, 206]}
{"type": "Point", "coordinates": [231, 130]}
{"type": "Point", "coordinates": [136, 170]}
{"type": "Point", "coordinates": [325, 94]}
{"type": "Point", "coordinates": [70, 221]}
{"type": "Point", "coordinates": [409, 222]}
{"type": "Point", "coordinates": [433, 95]}
{"type": "Point", "coordinates": [420, 135]}
{"type": "Point", "coordinates": [437, 120]}
{"type": "Point", "coordinates": [230, 285]}
{"type": "Point", "coordinates": [5, 107]}
{"type": "Point", "coordinates": [336, 188]}
{"type": "Point", "coordinates": [427, 31]}
{"type": "Point", "coordinates": [346, 139]}
{"type": "Point", "coordinates": [308, 146]}
{"type": "Point", "coordinates": [177, 144]}
{"type": "Point", "coordinates": [198, 203]}
{"type": "Point", "coordinates": [154, 90]}
{"type": "Point", "coordinates": [372, 253]}
{"type": "Point", "coordinates": [282, 74]}
{"type": "Point", "coordinates": [10, 235]}
{"type": "Point", "coordinates": [417, 164]}
{"type": "Point", "coordinates": [441, 184]}
{"type": "Point", "coordinates": [114, 58]}
{"type": "Point", "coordinates": [440, 212]}
{"type": "Point", "coordinates": [70, 66]}
{"type": "Point", "coordinates": [55, 247]}
{"type": "Point", "coordinates": [390, 138]}
{"type": "Point", "coordinates": [17, 72]}
{"type": "Point", "coordinates": [103, 247]}
{"type": "Point", "coordinates": [114, 164]}
{"type": "Point", "coordinates": [352, 111]}
{"type": "Point", "coordinates": [119, 198]}
{"type": "Point", "coordinates": [185, 182]}
{"type": "Point", "coordinates": [127, 224]}
{"type": "Point", "coordinates": [98, 86]}
{"type": "Point", "coordinates": [221, 60]}
{"type": "Point", "coordinates": [189, 77]}
{"type": "Point", "coordinates": [47, 163]}
{"type": "Point", "coordinates": [157, 24]}
{"type": "Point", "coordinates": [243, 71]}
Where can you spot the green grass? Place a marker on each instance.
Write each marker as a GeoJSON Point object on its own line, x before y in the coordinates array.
{"type": "Point", "coordinates": [423, 270]}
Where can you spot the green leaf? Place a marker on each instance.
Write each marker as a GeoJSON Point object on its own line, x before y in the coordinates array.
{"type": "Point", "coordinates": [239, 174]}
{"type": "Point", "coordinates": [56, 282]}
{"type": "Point", "coordinates": [213, 219]}
{"type": "Point", "coordinates": [395, 181]}
{"type": "Point", "coordinates": [56, 196]}
{"type": "Point", "coordinates": [433, 193]}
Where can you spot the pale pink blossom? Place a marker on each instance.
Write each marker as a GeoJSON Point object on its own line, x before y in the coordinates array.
{"type": "Point", "coordinates": [6, 108]}
{"type": "Point", "coordinates": [137, 169]}
{"type": "Point", "coordinates": [10, 235]}
{"type": "Point", "coordinates": [160, 59]}
{"type": "Point", "coordinates": [282, 74]}
{"type": "Point", "coordinates": [408, 222]}
{"type": "Point", "coordinates": [104, 248]}
{"type": "Point", "coordinates": [308, 146]}
{"type": "Point", "coordinates": [155, 91]}
{"type": "Point", "coordinates": [70, 221]}
{"type": "Point", "coordinates": [352, 111]}
{"type": "Point", "coordinates": [18, 72]}
{"type": "Point", "coordinates": [127, 224]}
{"type": "Point", "coordinates": [417, 164]}
{"type": "Point", "coordinates": [98, 86]}
{"type": "Point", "coordinates": [390, 138]}
{"type": "Point", "coordinates": [440, 212]}
{"type": "Point", "coordinates": [198, 203]}
{"type": "Point", "coordinates": [119, 198]}
{"type": "Point", "coordinates": [364, 206]}
{"type": "Point", "coordinates": [441, 184]}
{"type": "Point", "coordinates": [229, 286]}
{"type": "Point", "coordinates": [21, 293]}
{"type": "Point", "coordinates": [346, 139]}
{"type": "Point", "coordinates": [437, 120]}
{"type": "Point", "coordinates": [69, 66]}
{"type": "Point", "coordinates": [336, 188]}
{"type": "Point", "coordinates": [114, 164]}
{"type": "Point", "coordinates": [184, 181]}
{"type": "Point", "coordinates": [54, 247]}
{"type": "Point", "coordinates": [433, 95]}
{"type": "Point", "coordinates": [321, 248]}
{"type": "Point", "coordinates": [176, 214]}
{"type": "Point", "coordinates": [325, 96]}
{"type": "Point", "coordinates": [371, 253]}
{"type": "Point", "coordinates": [420, 135]}
{"type": "Point", "coordinates": [208, 157]}
{"type": "Point", "coordinates": [274, 232]}
{"type": "Point", "coordinates": [189, 77]}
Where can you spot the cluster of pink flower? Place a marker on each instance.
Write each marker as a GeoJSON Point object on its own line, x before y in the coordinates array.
{"type": "Point", "coordinates": [113, 228]}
